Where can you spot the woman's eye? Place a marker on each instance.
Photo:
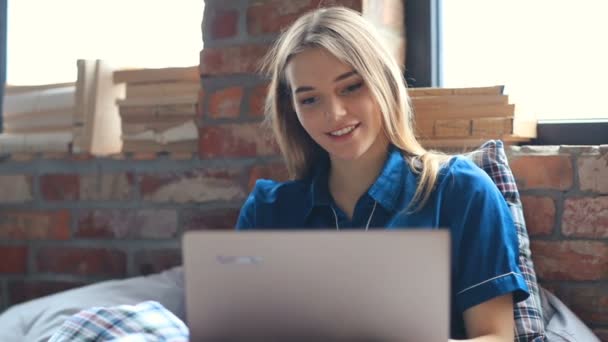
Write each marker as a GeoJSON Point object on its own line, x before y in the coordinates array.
{"type": "Point", "coordinates": [308, 101]}
{"type": "Point", "coordinates": [352, 88]}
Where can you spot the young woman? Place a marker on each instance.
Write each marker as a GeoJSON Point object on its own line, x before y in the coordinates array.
{"type": "Point", "coordinates": [340, 111]}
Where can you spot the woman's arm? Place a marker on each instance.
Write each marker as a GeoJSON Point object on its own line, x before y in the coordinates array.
{"type": "Point", "coordinates": [491, 320]}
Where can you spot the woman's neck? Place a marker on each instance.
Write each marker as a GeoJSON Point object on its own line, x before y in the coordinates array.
{"type": "Point", "coordinates": [350, 179]}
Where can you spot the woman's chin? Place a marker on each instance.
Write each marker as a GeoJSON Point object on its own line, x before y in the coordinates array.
{"type": "Point", "coordinates": [347, 155]}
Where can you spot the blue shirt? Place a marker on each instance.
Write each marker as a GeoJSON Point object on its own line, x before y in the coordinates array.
{"type": "Point", "coordinates": [484, 242]}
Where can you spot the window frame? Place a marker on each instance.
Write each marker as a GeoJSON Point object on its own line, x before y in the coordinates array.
{"type": "Point", "coordinates": [3, 48]}
{"type": "Point", "coordinates": [424, 69]}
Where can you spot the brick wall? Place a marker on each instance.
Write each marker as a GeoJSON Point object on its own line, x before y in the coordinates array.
{"type": "Point", "coordinates": [68, 220]}
{"type": "Point", "coordinates": [565, 196]}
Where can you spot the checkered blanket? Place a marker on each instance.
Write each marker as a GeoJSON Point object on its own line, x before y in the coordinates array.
{"type": "Point", "coordinates": [529, 321]}
{"type": "Point", "coordinates": [145, 322]}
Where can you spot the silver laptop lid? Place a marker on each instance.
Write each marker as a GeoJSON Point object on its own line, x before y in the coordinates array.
{"type": "Point", "coordinates": [324, 285]}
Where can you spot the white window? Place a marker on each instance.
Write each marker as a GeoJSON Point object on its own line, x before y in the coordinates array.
{"type": "Point", "coordinates": [45, 38]}
{"type": "Point", "coordinates": [551, 55]}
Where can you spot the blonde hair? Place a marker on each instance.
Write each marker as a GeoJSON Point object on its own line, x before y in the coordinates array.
{"type": "Point", "coordinates": [349, 37]}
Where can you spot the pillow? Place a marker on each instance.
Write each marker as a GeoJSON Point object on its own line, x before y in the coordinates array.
{"type": "Point", "coordinates": [529, 323]}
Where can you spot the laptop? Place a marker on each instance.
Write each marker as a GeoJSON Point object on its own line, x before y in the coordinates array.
{"type": "Point", "coordinates": [317, 285]}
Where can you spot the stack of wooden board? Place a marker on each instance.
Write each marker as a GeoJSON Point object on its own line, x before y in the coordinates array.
{"type": "Point", "coordinates": [466, 117]}
{"type": "Point", "coordinates": [65, 117]}
{"type": "Point", "coordinates": [159, 111]}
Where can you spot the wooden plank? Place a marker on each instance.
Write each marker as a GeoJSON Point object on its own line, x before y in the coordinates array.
{"type": "Point", "coordinates": [154, 119]}
{"type": "Point", "coordinates": [491, 127]}
{"type": "Point", "coordinates": [157, 75]}
{"type": "Point", "coordinates": [459, 101]}
{"type": "Point", "coordinates": [159, 101]}
{"type": "Point", "coordinates": [36, 142]}
{"type": "Point", "coordinates": [468, 112]}
{"type": "Point", "coordinates": [145, 146]}
{"type": "Point", "coordinates": [159, 110]}
{"type": "Point", "coordinates": [33, 130]}
{"type": "Point", "coordinates": [164, 89]}
{"type": "Point", "coordinates": [40, 115]}
{"type": "Point", "coordinates": [155, 126]}
{"type": "Point", "coordinates": [452, 128]}
{"type": "Point", "coordinates": [51, 121]}
{"type": "Point", "coordinates": [103, 125]}
{"type": "Point", "coordinates": [424, 128]}
{"type": "Point", "coordinates": [16, 89]}
{"type": "Point", "coordinates": [38, 101]}
{"type": "Point", "coordinates": [496, 90]}
{"type": "Point", "coordinates": [85, 98]}
{"type": "Point", "coordinates": [185, 131]}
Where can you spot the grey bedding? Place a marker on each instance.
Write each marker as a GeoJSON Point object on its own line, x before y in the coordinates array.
{"type": "Point", "coordinates": [36, 320]}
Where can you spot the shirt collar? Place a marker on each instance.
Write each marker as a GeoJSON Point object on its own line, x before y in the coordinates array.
{"type": "Point", "coordinates": [385, 190]}
{"type": "Point", "coordinates": [391, 181]}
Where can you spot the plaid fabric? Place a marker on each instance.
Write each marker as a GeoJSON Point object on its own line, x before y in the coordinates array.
{"type": "Point", "coordinates": [145, 322]}
{"type": "Point", "coordinates": [529, 322]}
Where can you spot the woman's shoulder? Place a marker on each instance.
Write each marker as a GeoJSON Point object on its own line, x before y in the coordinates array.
{"type": "Point", "coordinates": [273, 204]}
{"type": "Point", "coordinates": [460, 173]}
{"type": "Point", "coordinates": [271, 191]}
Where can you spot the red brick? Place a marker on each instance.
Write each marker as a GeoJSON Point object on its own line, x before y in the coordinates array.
{"type": "Point", "coordinates": [275, 15]}
{"type": "Point", "coordinates": [276, 172]}
{"type": "Point", "coordinates": [194, 219]}
{"type": "Point", "coordinates": [570, 260]}
{"type": "Point", "coordinates": [56, 155]}
{"type": "Point", "coordinates": [257, 98]}
{"type": "Point", "coordinates": [586, 217]}
{"type": "Point", "coordinates": [60, 187]}
{"type": "Point", "coordinates": [226, 103]}
{"type": "Point", "coordinates": [23, 156]}
{"type": "Point", "coordinates": [200, 185]}
{"type": "Point", "coordinates": [24, 290]}
{"type": "Point", "coordinates": [127, 223]}
{"type": "Point", "coordinates": [593, 173]}
{"type": "Point", "coordinates": [82, 261]}
{"type": "Point", "coordinates": [14, 259]}
{"type": "Point", "coordinates": [153, 261]}
{"type": "Point", "coordinates": [237, 140]}
{"type": "Point", "coordinates": [15, 188]}
{"type": "Point", "coordinates": [543, 172]}
{"type": "Point", "coordinates": [200, 104]}
{"type": "Point", "coordinates": [272, 16]}
{"type": "Point", "coordinates": [232, 60]}
{"type": "Point", "coordinates": [588, 301]}
{"type": "Point", "coordinates": [223, 23]}
{"type": "Point", "coordinates": [539, 213]}
{"type": "Point", "coordinates": [144, 156]}
{"type": "Point", "coordinates": [356, 5]}
{"type": "Point", "coordinates": [182, 155]}
{"type": "Point", "coordinates": [82, 156]}
{"type": "Point", "coordinates": [31, 225]}
{"type": "Point", "coordinates": [107, 186]}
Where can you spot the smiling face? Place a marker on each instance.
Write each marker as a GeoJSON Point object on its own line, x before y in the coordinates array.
{"type": "Point", "coordinates": [334, 105]}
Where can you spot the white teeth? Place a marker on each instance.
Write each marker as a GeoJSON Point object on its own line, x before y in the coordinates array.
{"type": "Point", "coordinates": [343, 131]}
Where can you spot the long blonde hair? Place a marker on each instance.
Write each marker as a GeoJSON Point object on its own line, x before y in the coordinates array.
{"type": "Point", "coordinates": [349, 37]}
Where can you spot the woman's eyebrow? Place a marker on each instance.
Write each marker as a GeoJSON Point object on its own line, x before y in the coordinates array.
{"type": "Point", "coordinates": [339, 78]}
{"type": "Point", "coordinates": [345, 75]}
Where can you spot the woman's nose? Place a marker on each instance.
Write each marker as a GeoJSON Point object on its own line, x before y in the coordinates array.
{"type": "Point", "coordinates": [334, 108]}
